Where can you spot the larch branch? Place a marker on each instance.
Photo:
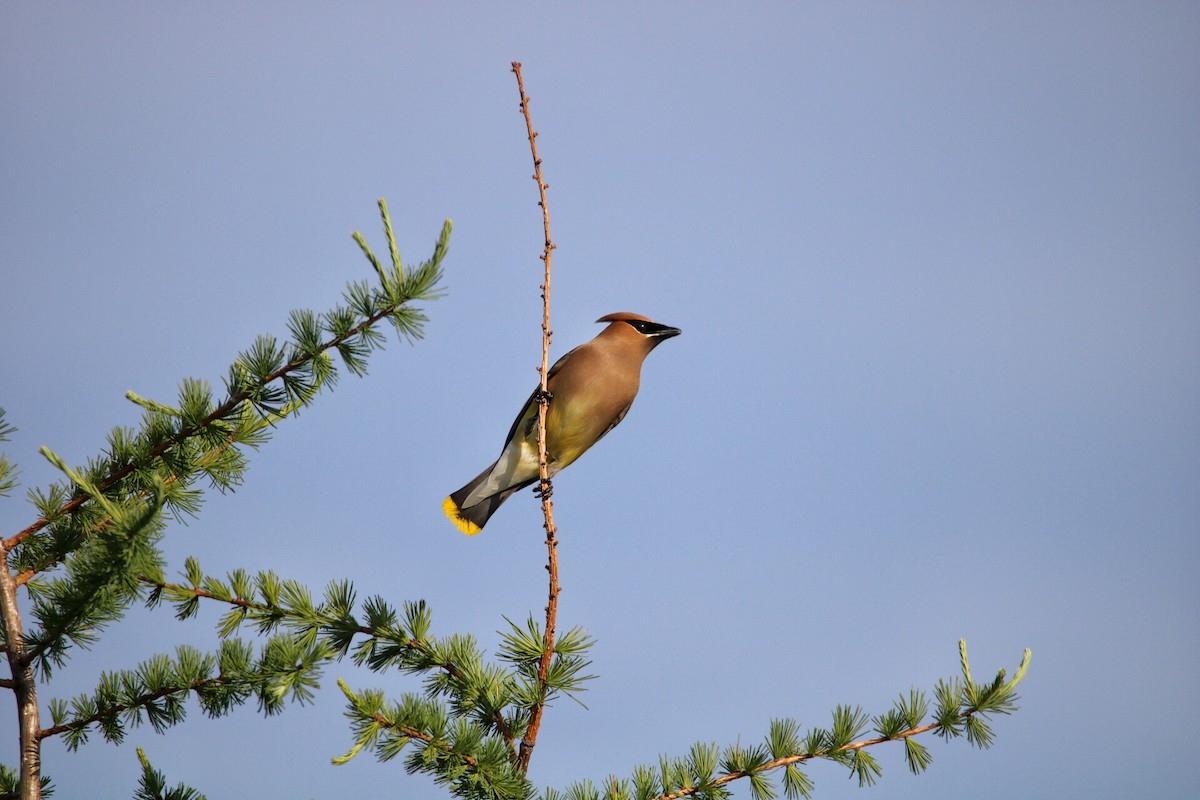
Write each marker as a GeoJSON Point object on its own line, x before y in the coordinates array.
{"type": "Point", "coordinates": [452, 669]}
{"type": "Point", "coordinates": [800, 758]}
{"type": "Point", "coordinates": [138, 702]}
{"type": "Point", "coordinates": [413, 733]}
{"type": "Point", "coordinates": [220, 412]}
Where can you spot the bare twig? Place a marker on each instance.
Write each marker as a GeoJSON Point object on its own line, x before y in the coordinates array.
{"type": "Point", "coordinates": [544, 487]}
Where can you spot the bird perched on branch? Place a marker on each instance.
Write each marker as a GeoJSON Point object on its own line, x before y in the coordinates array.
{"type": "Point", "coordinates": [591, 388]}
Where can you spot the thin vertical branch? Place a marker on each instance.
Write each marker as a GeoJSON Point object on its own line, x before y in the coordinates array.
{"type": "Point", "coordinates": [23, 685]}
{"type": "Point", "coordinates": [544, 487]}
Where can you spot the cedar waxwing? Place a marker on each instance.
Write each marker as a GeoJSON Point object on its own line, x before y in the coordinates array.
{"type": "Point", "coordinates": [591, 388]}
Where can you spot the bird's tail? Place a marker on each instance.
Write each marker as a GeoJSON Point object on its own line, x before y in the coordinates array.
{"type": "Point", "coordinates": [470, 520]}
{"type": "Point", "coordinates": [467, 521]}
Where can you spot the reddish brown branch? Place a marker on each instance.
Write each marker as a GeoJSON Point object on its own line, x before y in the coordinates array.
{"type": "Point", "coordinates": [535, 713]}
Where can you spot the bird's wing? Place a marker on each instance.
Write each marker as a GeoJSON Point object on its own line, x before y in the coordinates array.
{"type": "Point", "coordinates": [528, 415]}
{"type": "Point", "coordinates": [615, 421]}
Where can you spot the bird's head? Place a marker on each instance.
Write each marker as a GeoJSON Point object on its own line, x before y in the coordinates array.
{"type": "Point", "coordinates": [649, 332]}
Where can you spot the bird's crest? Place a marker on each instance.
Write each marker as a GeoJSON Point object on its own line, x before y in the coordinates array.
{"type": "Point", "coordinates": [624, 316]}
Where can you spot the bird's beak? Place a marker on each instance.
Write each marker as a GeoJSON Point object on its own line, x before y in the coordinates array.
{"type": "Point", "coordinates": [667, 333]}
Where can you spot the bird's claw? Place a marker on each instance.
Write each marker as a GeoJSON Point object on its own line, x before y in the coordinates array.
{"type": "Point", "coordinates": [542, 396]}
{"type": "Point", "coordinates": [543, 491]}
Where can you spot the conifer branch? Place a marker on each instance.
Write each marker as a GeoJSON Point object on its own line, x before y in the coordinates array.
{"type": "Point", "coordinates": [271, 604]}
{"type": "Point", "coordinates": [250, 427]}
{"type": "Point", "coordinates": [413, 733]}
{"type": "Point", "coordinates": [800, 758]}
{"type": "Point", "coordinates": [962, 708]}
{"type": "Point", "coordinates": [101, 566]}
{"type": "Point", "coordinates": [456, 751]}
{"type": "Point", "coordinates": [220, 413]}
{"type": "Point", "coordinates": [396, 290]}
{"type": "Point", "coordinates": [108, 712]}
{"type": "Point", "coordinates": [158, 687]}
{"type": "Point", "coordinates": [544, 487]}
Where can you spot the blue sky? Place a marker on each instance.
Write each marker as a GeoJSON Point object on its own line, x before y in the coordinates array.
{"type": "Point", "coordinates": [935, 268]}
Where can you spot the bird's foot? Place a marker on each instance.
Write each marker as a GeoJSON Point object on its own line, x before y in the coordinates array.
{"type": "Point", "coordinates": [542, 397]}
{"type": "Point", "coordinates": [543, 491]}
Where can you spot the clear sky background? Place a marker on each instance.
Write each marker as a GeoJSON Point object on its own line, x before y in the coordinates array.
{"type": "Point", "coordinates": [936, 269]}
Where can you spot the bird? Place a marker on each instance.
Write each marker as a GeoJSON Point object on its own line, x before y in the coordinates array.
{"type": "Point", "coordinates": [591, 389]}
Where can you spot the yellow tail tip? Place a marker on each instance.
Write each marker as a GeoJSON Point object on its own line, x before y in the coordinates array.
{"type": "Point", "coordinates": [450, 508]}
